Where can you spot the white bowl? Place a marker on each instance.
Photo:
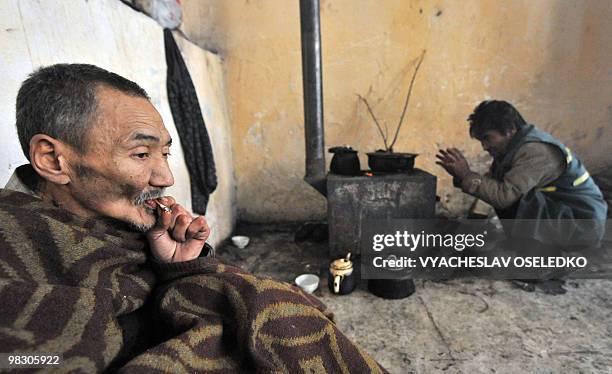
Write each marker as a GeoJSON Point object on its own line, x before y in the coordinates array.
{"type": "Point", "coordinates": [240, 241]}
{"type": "Point", "coordinates": [307, 282]}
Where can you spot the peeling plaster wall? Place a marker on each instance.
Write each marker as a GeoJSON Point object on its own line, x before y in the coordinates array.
{"type": "Point", "coordinates": [550, 58]}
{"type": "Point", "coordinates": [109, 34]}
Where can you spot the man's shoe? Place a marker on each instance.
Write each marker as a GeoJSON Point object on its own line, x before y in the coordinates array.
{"type": "Point", "coordinates": [552, 286]}
{"type": "Point", "coordinates": [548, 286]}
{"type": "Point", "coordinates": [523, 285]}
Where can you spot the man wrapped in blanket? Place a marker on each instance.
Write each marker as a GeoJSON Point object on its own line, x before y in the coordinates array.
{"type": "Point", "coordinates": [99, 266]}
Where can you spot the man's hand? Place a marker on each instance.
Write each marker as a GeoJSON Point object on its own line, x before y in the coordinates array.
{"type": "Point", "coordinates": [453, 162]}
{"type": "Point", "coordinates": [177, 236]}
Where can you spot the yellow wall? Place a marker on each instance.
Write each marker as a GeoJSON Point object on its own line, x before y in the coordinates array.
{"type": "Point", "coordinates": [550, 58]}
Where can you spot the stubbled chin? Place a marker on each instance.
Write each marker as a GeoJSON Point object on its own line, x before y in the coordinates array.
{"type": "Point", "coordinates": [143, 220]}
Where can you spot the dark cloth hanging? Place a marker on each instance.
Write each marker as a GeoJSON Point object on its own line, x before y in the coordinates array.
{"type": "Point", "coordinates": [190, 126]}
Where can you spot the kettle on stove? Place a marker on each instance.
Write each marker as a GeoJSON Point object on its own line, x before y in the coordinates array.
{"type": "Point", "coordinates": [345, 161]}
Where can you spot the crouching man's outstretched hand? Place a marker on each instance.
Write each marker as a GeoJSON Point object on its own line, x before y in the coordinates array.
{"type": "Point", "coordinates": [453, 161]}
{"type": "Point", "coordinates": [177, 236]}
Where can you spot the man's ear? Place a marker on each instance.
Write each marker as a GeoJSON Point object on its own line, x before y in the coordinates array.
{"type": "Point", "coordinates": [47, 156]}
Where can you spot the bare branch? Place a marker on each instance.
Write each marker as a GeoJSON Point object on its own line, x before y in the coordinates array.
{"type": "Point", "coordinates": [386, 133]}
{"type": "Point", "coordinates": [399, 125]}
{"type": "Point", "coordinates": [380, 130]}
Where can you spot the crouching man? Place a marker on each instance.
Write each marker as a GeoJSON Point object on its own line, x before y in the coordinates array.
{"type": "Point", "coordinates": [100, 267]}
{"type": "Point", "coordinates": [538, 187]}
{"type": "Point", "coordinates": [533, 177]}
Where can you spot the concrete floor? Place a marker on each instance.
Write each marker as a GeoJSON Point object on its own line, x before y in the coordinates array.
{"type": "Point", "coordinates": [459, 326]}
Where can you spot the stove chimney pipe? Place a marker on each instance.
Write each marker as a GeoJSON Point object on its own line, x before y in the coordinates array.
{"type": "Point", "coordinates": [312, 79]}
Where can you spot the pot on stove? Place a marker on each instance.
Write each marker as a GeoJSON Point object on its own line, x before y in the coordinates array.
{"type": "Point", "coordinates": [345, 161]}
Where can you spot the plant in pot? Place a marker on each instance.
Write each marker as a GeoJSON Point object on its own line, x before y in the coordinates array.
{"type": "Point", "coordinates": [386, 160]}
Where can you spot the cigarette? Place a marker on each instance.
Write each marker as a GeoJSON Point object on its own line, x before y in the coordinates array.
{"type": "Point", "coordinates": [163, 207]}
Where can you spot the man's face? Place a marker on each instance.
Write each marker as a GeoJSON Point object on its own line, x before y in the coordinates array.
{"type": "Point", "coordinates": [124, 165]}
{"type": "Point", "coordinates": [495, 142]}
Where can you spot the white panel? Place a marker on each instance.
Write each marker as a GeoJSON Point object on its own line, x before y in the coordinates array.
{"type": "Point", "coordinates": [15, 65]}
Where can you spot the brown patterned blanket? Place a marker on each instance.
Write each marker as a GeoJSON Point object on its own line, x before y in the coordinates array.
{"type": "Point", "coordinates": [86, 289]}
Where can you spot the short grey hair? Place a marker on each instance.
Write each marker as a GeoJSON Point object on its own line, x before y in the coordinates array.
{"type": "Point", "coordinates": [60, 101]}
